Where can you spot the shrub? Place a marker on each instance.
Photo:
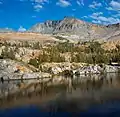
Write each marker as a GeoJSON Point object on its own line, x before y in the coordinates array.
{"type": "Point", "coordinates": [34, 62]}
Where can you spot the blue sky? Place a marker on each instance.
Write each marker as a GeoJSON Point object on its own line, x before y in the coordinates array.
{"type": "Point", "coordinates": [22, 14]}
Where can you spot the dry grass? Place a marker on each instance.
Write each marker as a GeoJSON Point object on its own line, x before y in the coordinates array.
{"type": "Point", "coordinates": [26, 36]}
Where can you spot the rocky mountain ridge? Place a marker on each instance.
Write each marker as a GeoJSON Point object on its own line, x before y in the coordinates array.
{"type": "Point", "coordinates": [76, 29]}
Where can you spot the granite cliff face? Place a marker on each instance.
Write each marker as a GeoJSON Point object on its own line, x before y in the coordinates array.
{"type": "Point", "coordinates": [77, 29]}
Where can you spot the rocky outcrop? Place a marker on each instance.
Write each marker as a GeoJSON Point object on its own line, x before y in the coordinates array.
{"type": "Point", "coordinates": [77, 68]}
{"type": "Point", "coordinates": [23, 79]}
{"type": "Point", "coordinates": [96, 69]}
{"type": "Point", "coordinates": [11, 70]}
{"type": "Point", "coordinates": [87, 70]}
{"type": "Point", "coordinates": [111, 69]}
{"type": "Point", "coordinates": [15, 70]}
{"type": "Point", "coordinates": [56, 68]}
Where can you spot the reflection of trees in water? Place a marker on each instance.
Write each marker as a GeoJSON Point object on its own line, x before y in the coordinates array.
{"type": "Point", "coordinates": [116, 76]}
{"type": "Point", "coordinates": [8, 95]}
{"type": "Point", "coordinates": [93, 82]}
{"type": "Point", "coordinates": [114, 79]}
{"type": "Point", "coordinates": [84, 83]}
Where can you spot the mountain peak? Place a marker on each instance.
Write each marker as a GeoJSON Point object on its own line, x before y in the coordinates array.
{"type": "Point", "coordinates": [73, 19]}
{"type": "Point", "coordinates": [73, 27]}
{"type": "Point", "coordinates": [68, 24]}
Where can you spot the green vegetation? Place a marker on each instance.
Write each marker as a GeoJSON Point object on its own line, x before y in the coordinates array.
{"type": "Point", "coordinates": [34, 62]}
{"type": "Point", "coordinates": [89, 52]}
{"type": "Point", "coordinates": [7, 53]}
{"type": "Point", "coordinates": [115, 54]}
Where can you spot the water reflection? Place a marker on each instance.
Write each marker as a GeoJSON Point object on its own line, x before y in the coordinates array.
{"type": "Point", "coordinates": [94, 82]}
{"type": "Point", "coordinates": [74, 85]}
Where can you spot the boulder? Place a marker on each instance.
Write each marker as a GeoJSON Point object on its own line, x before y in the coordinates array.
{"type": "Point", "coordinates": [45, 75]}
{"type": "Point", "coordinates": [111, 69]}
{"type": "Point", "coordinates": [56, 70]}
{"type": "Point", "coordinates": [87, 70]}
{"type": "Point", "coordinates": [31, 75]}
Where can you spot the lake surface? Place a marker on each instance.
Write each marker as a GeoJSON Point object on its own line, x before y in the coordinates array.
{"type": "Point", "coordinates": [85, 98]}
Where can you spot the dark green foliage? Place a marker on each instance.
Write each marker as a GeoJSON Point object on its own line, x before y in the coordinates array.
{"type": "Point", "coordinates": [92, 54]}
{"type": "Point", "coordinates": [115, 54]}
{"type": "Point", "coordinates": [88, 52]}
{"type": "Point", "coordinates": [44, 57]}
{"type": "Point", "coordinates": [34, 62]}
{"type": "Point", "coordinates": [8, 53]}
{"type": "Point", "coordinates": [96, 52]}
{"type": "Point", "coordinates": [65, 47]}
{"type": "Point", "coordinates": [51, 56]}
{"type": "Point", "coordinates": [60, 38]}
{"type": "Point", "coordinates": [11, 54]}
{"type": "Point", "coordinates": [25, 44]}
{"type": "Point", "coordinates": [36, 45]}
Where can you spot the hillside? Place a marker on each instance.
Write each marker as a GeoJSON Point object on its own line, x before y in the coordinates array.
{"type": "Point", "coordinates": [26, 37]}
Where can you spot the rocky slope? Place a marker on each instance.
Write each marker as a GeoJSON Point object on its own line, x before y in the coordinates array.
{"type": "Point", "coordinates": [46, 27]}
{"type": "Point", "coordinates": [76, 29]}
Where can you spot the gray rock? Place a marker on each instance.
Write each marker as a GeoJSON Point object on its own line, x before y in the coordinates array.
{"type": "Point", "coordinates": [87, 70]}
{"type": "Point", "coordinates": [111, 69]}
{"type": "Point", "coordinates": [96, 70]}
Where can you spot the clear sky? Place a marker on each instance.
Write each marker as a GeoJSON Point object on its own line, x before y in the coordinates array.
{"type": "Point", "coordinates": [17, 14]}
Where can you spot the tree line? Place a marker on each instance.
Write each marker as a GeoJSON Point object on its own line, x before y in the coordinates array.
{"type": "Point", "coordinates": [89, 52]}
